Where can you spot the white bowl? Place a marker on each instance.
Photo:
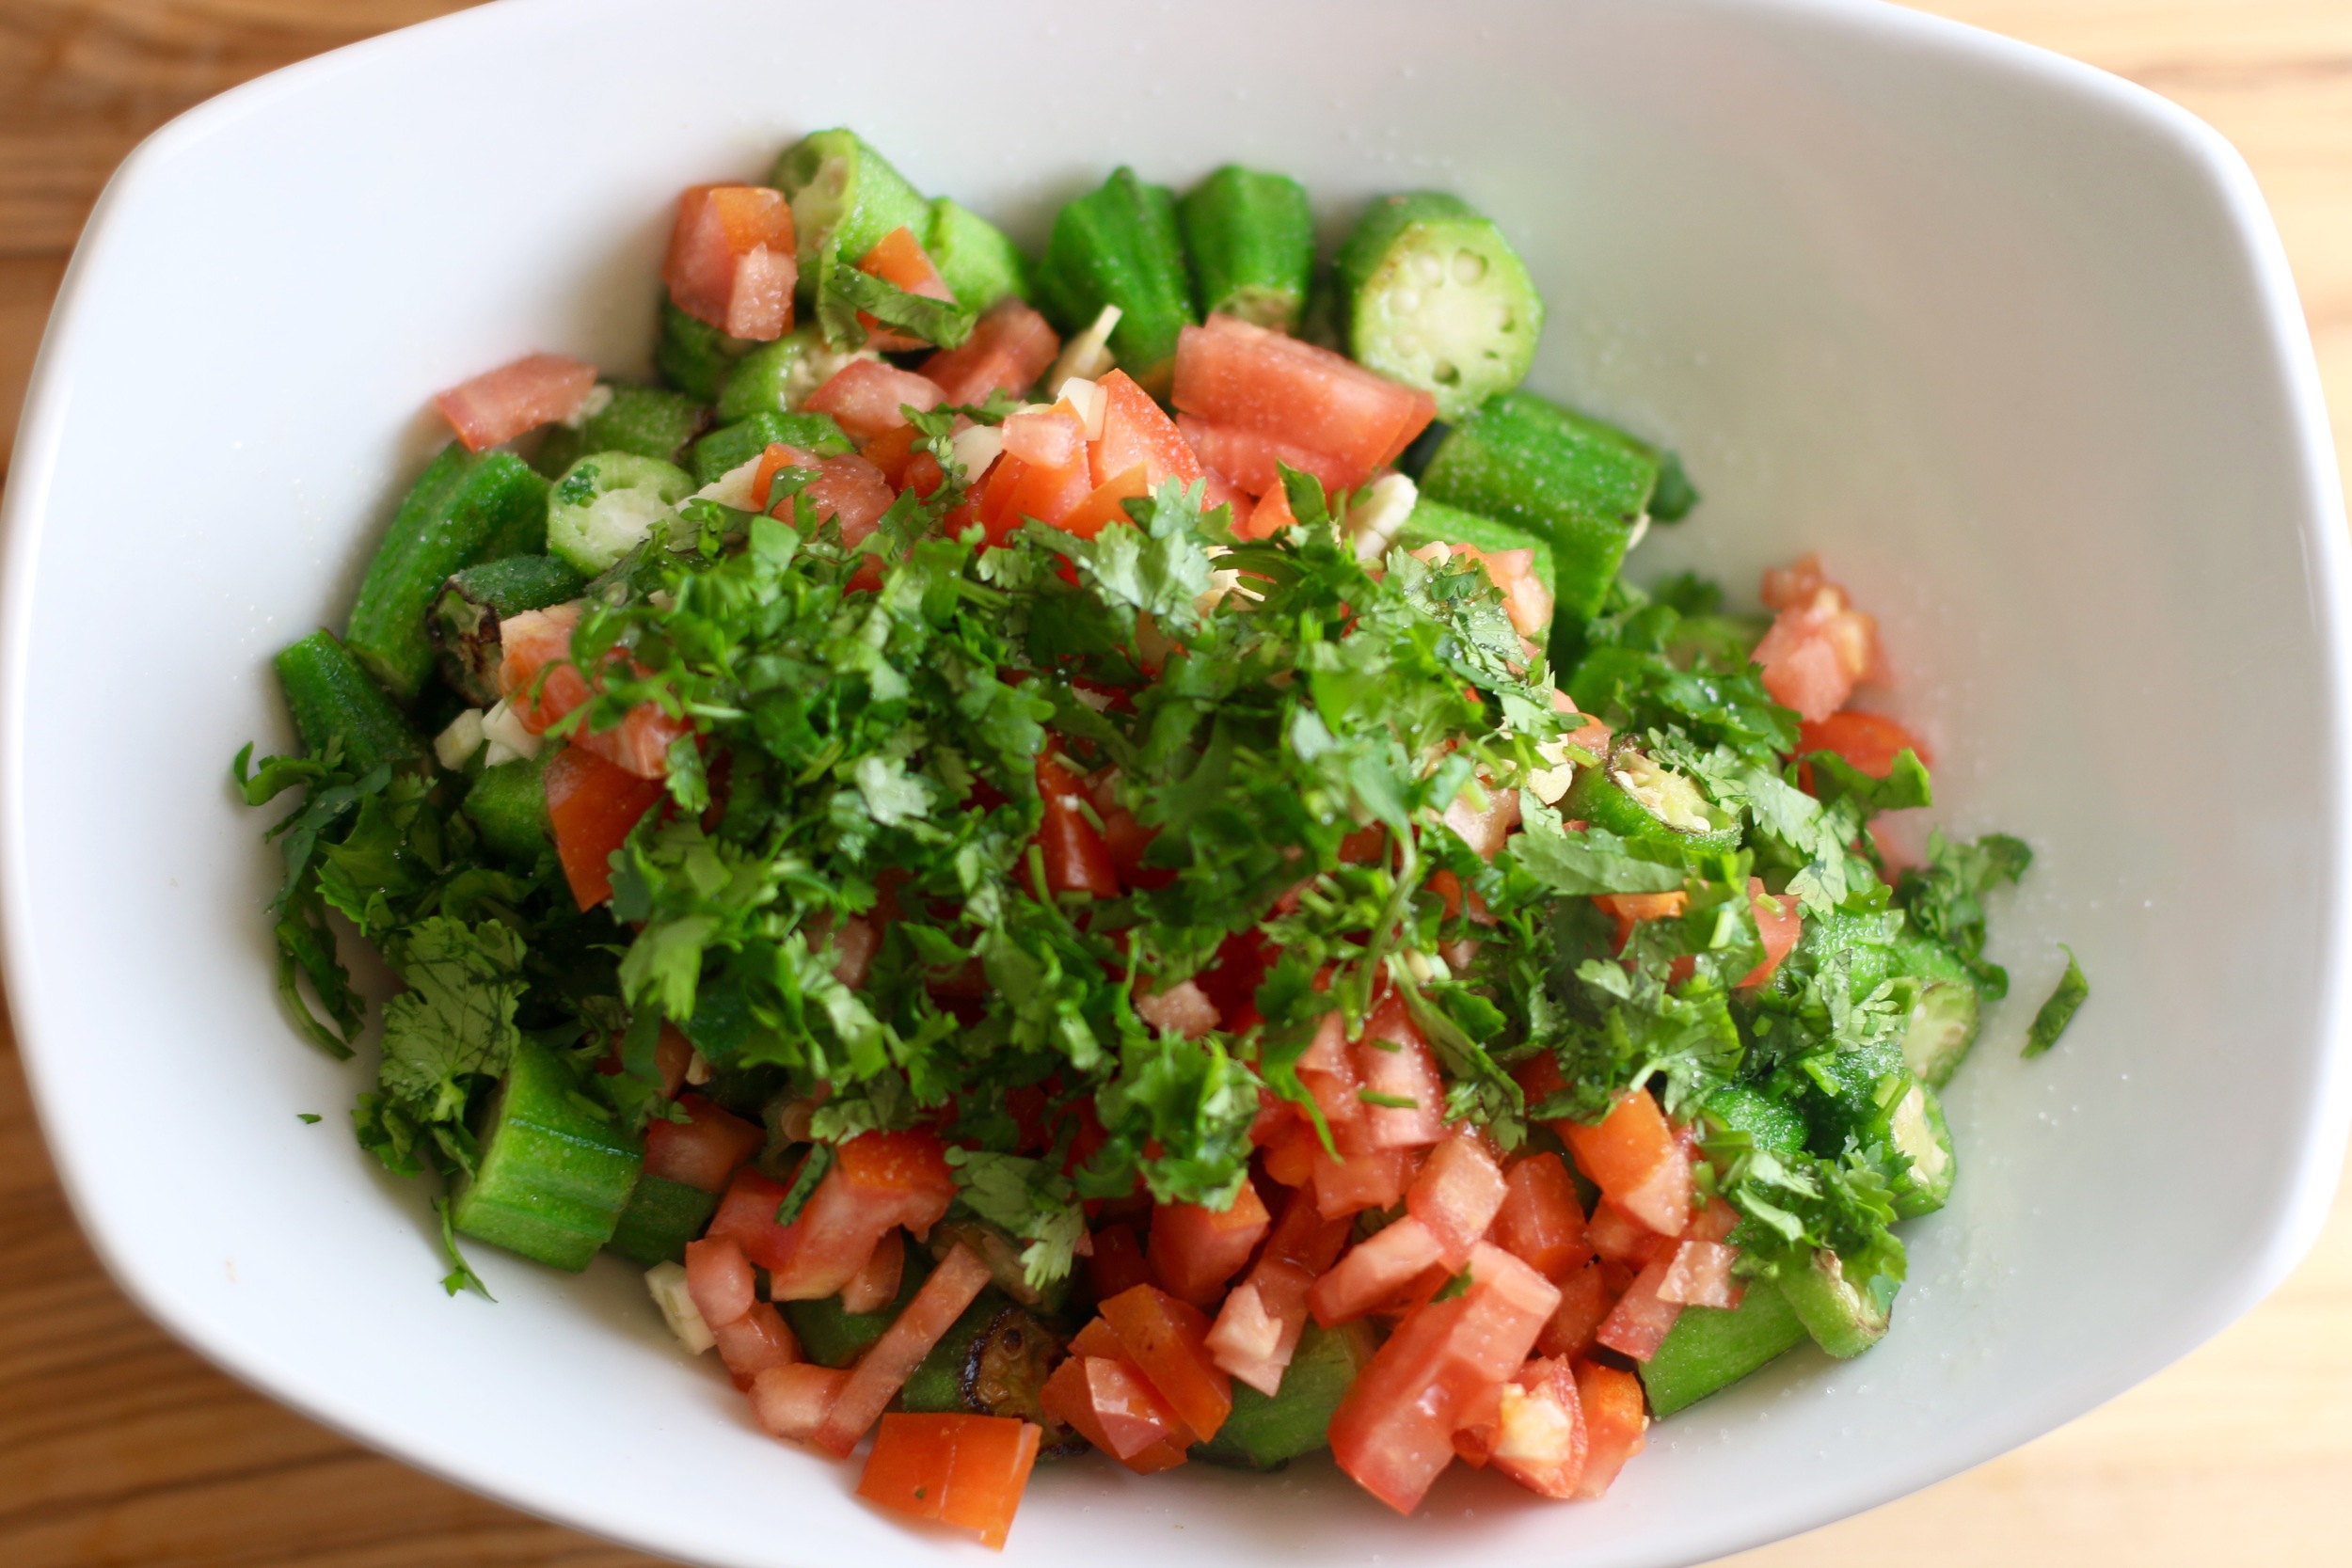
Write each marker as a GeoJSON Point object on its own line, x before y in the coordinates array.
{"type": "Point", "coordinates": [2011, 341]}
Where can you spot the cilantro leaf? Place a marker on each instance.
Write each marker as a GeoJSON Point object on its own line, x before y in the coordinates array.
{"type": "Point", "coordinates": [1029, 1201]}
{"type": "Point", "coordinates": [2050, 1021]}
{"type": "Point", "coordinates": [456, 1022]}
{"type": "Point", "coordinates": [941, 323]}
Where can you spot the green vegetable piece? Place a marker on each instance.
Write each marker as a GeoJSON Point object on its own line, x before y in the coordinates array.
{"type": "Point", "coordinates": [1432, 521]}
{"type": "Point", "coordinates": [465, 613]}
{"type": "Point", "coordinates": [555, 1171]}
{"type": "Point", "coordinates": [694, 355]}
{"type": "Point", "coordinates": [776, 378]}
{"type": "Point", "coordinates": [466, 507]}
{"type": "Point", "coordinates": [1918, 1130]}
{"type": "Point", "coordinates": [1947, 1006]}
{"type": "Point", "coordinates": [651, 422]}
{"type": "Point", "coordinates": [329, 695]}
{"type": "Point", "coordinates": [993, 1360]}
{"type": "Point", "coordinates": [730, 447]}
{"type": "Point", "coordinates": [1118, 245]}
{"type": "Point", "coordinates": [1675, 494]}
{"type": "Point", "coordinates": [1577, 481]}
{"type": "Point", "coordinates": [1252, 239]}
{"type": "Point", "coordinates": [1844, 1319]}
{"type": "Point", "coordinates": [1770, 1122]}
{"type": "Point", "coordinates": [1434, 296]}
{"type": "Point", "coordinates": [1847, 1094]}
{"type": "Point", "coordinates": [508, 806]}
{"type": "Point", "coordinates": [834, 1336]}
{"type": "Point", "coordinates": [607, 502]}
{"type": "Point", "coordinates": [845, 199]}
{"type": "Point", "coordinates": [661, 1217]}
{"type": "Point", "coordinates": [1650, 807]}
{"type": "Point", "coordinates": [2057, 1012]}
{"type": "Point", "coordinates": [1710, 1349]}
{"type": "Point", "coordinates": [1267, 1432]}
{"type": "Point", "coordinates": [978, 260]}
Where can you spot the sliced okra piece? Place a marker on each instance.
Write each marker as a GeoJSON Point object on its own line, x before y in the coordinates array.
{"type": "Point", "coordinates": [978, 260]}
{"type": "Point", "coordinates": [1267, 1432]}
{"type": "Point", "coordinates": [1710, 1347]}
{"type": "Point", "coordinates": [845, 199]}
{"type": "Point", "coordinates": [1919, 1133]}
{"type": "Point", "coordinates": [694, 355]}
{"type": "Point", "coordinates": [1583, 484]}
{"type": "Point", "coordinates": [1845, 1317]}
{"type": "Point", "coordinates": [1119, 245]}
{"type": "Point", "coordinates": [729, 447]}
{"type": "Point", "coordinates": [329, 695]}
{"type": "Point", "coordinates": [776, 378]}
{"type": "Point", "coordinates": [1774, 1126]}
{"type": "Point", "coordinates": [555, 1169]}
{"type": "Point", "coordinates": [508, 807]}
{"type": "Point", "coordinates": [607, 502]}
{"type": "Point", "coordinates": [466, 507]}
{"type": "Point", "coordinates": [1434, 296]}
{"type": "Point", "coordinates": [651, 422]}
{"type": "Point", "coordinates": [465, 613]}
{"type": "Point", "coordinates": [1644, 802]}
{"type": "Point", "coordinates": [661, 1217]}
{"type": "Point", "coordinates": [832, 1336]}
{"type": "Point", "coordinates": [1251, 241]}
{"type": "Point", "coordinates": [1947, 1007]}
{"type": "Point", "coordinates": [993, 1360]}
{"type": "Point", "coordinates": [1434, 522]}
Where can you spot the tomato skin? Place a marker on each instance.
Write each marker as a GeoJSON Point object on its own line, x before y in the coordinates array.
{"type": "Point", "coordinates": [1253, 461]}
{"type": "Point", "coordinates": [1258, 1330]}
{"type": "Point", "coordinates": [1167, 1339]}
{"type": "Point", "coordinates": [1231, 373]}
{"type": "Point", "coordinates": [1118, 1264]}
{"type": "Point", "coordinates": [866, 397]}
{"type": "Point", "coordinates": [1634, 1157]}
{"type": "Point", "coordinates": [755, 1342]}
{"type": "Point", "coordinates": [876, 1283]}
{"type": "Point", "coordinates": [1048, 437]}
{"type": "Point", "coordinates": [1541, 1223]}
{"type": "Point", "coordinates": [538, 643]}
{"type": "Point", "coordinates": [1195, 1249]}
{"type": "Point", "coordinates": [705, 1152]}
{"type": "Point", "coordinates": [1076, 859]}
{"type": "Point", "coordinates": [1642, 1318]}
{"type": "Point", "coordinates": [1018, 490]}
{"type": "Point", "coordinates": [1819, 645]}
{"type": "Point", "coordinates": [1272, 515]}
{"type": "Point", "coordinates": [964, 1470]}
{"type": "Point", "coordinates": [731, 262]}
{"type": "Point", "coordinates": [1374, 1270]}
{"type": "Point", "coordinates": [1870, 741]}
{"type": "Point", "coordinates": [500, 405]}
{"type": "Point", "coordinates": [1407, 1073]}
{"type": "Point", "coordinates": [592, 805]}
{"type": "Point", "coordinates": [1106, 503]}
{"type": "Point", "coordinates": [878, 1182]}
{"type": "Point", "coordinates": [747, 1213]}
{"type": "Point", "coordinates": [1618, 1237]}
{"type": "Point", "coordinates": [1616, 1424]}
{"type": "Point", "coordinates": [718, 1277]}
{"type": "Point", "coordinates": [1109, 1404]}
{"type": "Point", "coordinates": [1010, 346]}
{"type": "Point", "coordinates": [1779, 922]}
{"type": "Point", "coordinates": [793, 1400]}
{"type": "Point", "coordinates": [1457, 1195]}
{"type": "Point", "coordinates": [883, 1370]}
{"type": "Point", "coordinates": [1585, 1302]}
{"type": "Point", "coordinates": [1135, 430]}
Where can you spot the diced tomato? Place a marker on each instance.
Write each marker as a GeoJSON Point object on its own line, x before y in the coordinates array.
{"type": "Point", "coordinates": [1457, 1195]}
{"type": "Point", "coordinates": [1819, 645]}
{"type": "Point", "coordinates": [1394, 1431]}
{"type": "Point", "coordinates": [731, 262]}
{"type": "Point", "coordinates": [875, 1285]}
{"type": "Point", "coordinates": [964, 1470]}
{"type": "Point", "coordinates": [866, 397]}
{"type": "Point", "coordinates": [500, 405]}
{"type": "Point", "coordinates": [1539, 1439]}
{"type": "Point", "coordinates": [1183, 1009]}
{"type": "Point", "coordinates": [1216, 490]}
{"type": "Point", "coordinates": [1525, 597]}
{"type": "Point", "coordinates": [1541, 1223]}
{"type": "Point", "coordinates": [854, 946]}
{"type": "Point", "coordinates": [1374, 1270]}
{"type": "Point", "coordinates": [718, 1277]}
{"type": "Point", "coordinates": [1632, 1156]}
{"type": "Point", "coordinates": [1615, 1423]}
{"type": "Point", "coordinates": [1254, 461]}
{"type": "Point", "coordinates": [1779, 922]}
{"type": "Point", "coordinates": [883, 1370]}
{"type": "Point", "coordinates": [1010, 346]}
{"type": "Point", "coordinates": [1585, 1302]}
{"type": "Point", "coordinates": [898, 258]}
{"type": "Point", "coordinates": [1630, 909]}
{"type": "Point", "coordinates": [1018, 490]}
{"type": "Point", "coordinates": [1271, 516]}
{"type": "Point", "coordinates": [1485, 828]}
{"type": "Point", "coordinates": [851, 489]}
{"type": "Point", "coordinates": [1106, 503]}
{"type": "Point", "coordinates": [1259, 1328]}
{"type": "Point", "coordinates": [704, 1152]}
{"type": "Point", "coordinates": [754, 1342]}
{"type": "Point", "coordinates": [1195, 1249]}
{"type": "Point", "coordinates": [1868, 741]}
{"type": "Point", "coordinates": [1395, 1063]}
{"type": "Point", "coordinates": [793, 1400]}
{"type": "Point", "coordinates": [1049, 437]}
{"type": "Point", "coordinates": [1118, 1264]}
{"type": "Point", "coordinates": [1700, 1275]}
{"type": "Point", "coordinates": [1112, 1406]}
{"type": "Point", "coordinates": [1167, 1339]}
{"type": "Point", "coordinates": [878, 1182]}
{"type": "Point", "coordinates": [1233, 374]}
{"type": "Point", "coordinates": [591, 806]}
{"type": "Point", "coordinates": [1640, 1320]}
{"type": "Point", "coordinates": [1135, 430]}
{"type": "Point", "coordinates": [1076, 859]}
{"type": "Point", "coordinates": [538, 679]}
{"type": "Point", "coordinates": [1794, 583]}
{"type": "Point", "coordinates": [747, 1213]}
{"type": "Point", "coordinates": [1367, 1179]}
{"type": "Point", "coordinates": [1620, 1238]}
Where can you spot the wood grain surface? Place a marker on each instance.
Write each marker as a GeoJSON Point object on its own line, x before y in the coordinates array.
{"type": "Point", "coordinates": [117, 1447]}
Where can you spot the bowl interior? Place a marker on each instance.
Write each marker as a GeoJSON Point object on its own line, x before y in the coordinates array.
{"type": "Point", "coordinates": [2008, 344]}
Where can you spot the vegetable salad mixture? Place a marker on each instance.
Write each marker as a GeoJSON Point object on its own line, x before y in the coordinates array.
{"type": "Point", "coordinates": [1046, 923]}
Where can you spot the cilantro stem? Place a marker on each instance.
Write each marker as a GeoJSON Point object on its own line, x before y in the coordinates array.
{"type": "Point", "coordinates": [1392, 917]}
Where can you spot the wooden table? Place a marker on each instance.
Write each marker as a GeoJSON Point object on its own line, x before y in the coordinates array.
{"type": "Point", "coordinates": [118, 1446]}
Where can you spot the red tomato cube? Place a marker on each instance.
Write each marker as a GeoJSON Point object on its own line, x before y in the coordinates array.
{"type": "Point", "coordinates": [731, 262]}
{"type": "Point", "coordinates": [1010, 346]}
{"type": "Point", "coordinates": [1195, 1249]}
{"type": "Point", "coordinates": [1540, 1221]}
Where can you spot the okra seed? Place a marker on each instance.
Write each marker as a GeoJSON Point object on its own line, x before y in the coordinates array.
{"type": "Point", "coordinates": [1405, 301]}
{"type": "Point", "coordinates": [1468, 266]}
{"type": "Point", "coordinates": [1446, 374]}
{"type": "Point", "coordinates": [1429, 271]}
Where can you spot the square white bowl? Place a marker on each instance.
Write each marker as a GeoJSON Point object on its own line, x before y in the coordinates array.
{"type": "Point", "coordinates": [2012, 342]}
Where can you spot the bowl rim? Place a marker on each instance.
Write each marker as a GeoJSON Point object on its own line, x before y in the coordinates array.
{"type": "Point", "coordinates": [2287, 1235]}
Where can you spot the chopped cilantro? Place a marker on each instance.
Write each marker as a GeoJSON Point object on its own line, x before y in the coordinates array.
{"type": "Point", "coordinates": [2059, 1011]}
